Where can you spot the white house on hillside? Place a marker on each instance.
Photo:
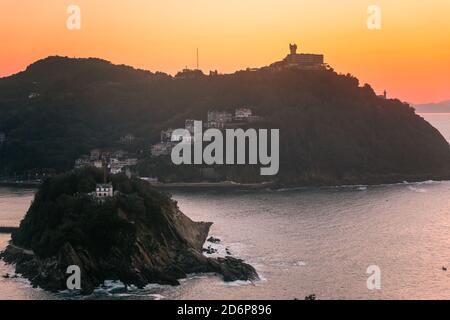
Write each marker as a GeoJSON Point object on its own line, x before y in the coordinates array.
{"type": "Point", "coordinates": [104, 190]}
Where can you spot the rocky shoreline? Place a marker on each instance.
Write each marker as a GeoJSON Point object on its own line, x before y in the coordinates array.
{"type": "Point", "coordinates": [139, 236]}
{"type": "Point", "coordinates": [47, 273]}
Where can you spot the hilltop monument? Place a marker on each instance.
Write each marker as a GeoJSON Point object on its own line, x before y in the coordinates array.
{"type": "Point", "coordinates": [304, 61]}
{"type": "Point", "coordinates": [293, 48]}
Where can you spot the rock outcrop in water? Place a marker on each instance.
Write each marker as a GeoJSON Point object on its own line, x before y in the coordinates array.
{"type": "Point", "coordinates": [138, 236]}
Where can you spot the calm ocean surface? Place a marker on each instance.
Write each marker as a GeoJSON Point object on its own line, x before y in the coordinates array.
{"type": "Point", "coordinates": [303, 241]}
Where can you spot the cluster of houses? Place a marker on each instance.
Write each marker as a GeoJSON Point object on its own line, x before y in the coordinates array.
{"type": "Point", "coordinates": [115, 161]}
{"type": "Point", "coordinates": [226, 120]}
{"type": "Point", "coordinates": [127, 139]}
{"type": "Point", "coordinates": [216, 119]}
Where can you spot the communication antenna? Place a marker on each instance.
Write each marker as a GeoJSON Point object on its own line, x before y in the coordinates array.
{"type": "Point", "coordinates": [197, 60]}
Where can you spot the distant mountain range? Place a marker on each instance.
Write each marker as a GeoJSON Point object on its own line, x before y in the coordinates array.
{"type": "Point", "coordinates": [440, 107]}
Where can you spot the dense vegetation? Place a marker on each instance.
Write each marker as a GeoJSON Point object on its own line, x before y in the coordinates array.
{"type": "Point", "coordinates": [138, 236]}
{"type": "Point", "coordinates": [332, 128]}
{"type": "Point", "coordinates": [64, 212]}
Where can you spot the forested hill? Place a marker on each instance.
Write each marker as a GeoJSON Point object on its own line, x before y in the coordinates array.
{"type": "Point", "coordinates": [332, 128]}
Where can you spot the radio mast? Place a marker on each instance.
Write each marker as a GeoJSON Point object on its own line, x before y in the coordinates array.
{"type": "Point", "coordinates": [197, 60]}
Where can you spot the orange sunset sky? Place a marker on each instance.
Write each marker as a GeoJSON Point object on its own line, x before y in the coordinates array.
{"type": "Point", "coordinates": [409, 56]}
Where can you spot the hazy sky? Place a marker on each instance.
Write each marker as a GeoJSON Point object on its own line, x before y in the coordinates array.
{"type": "Point", "coordinates": [409, 56]}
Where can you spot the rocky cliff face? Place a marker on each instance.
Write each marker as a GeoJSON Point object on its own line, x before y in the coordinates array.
{"type": "Point", "coordinates": [138, 237]}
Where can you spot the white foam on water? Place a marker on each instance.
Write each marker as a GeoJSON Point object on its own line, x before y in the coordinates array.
{"type": "Point", "coordinates": [428, 182]}
{"type": "Point", "coordinates": [420, 190]}
{"type": "Point", "coordinates": [196, 276]}
{"type": "Point", "coordinates": [153, 286]}
{"type": "Point", "coordinates": [285, 264]}
{"type": "Point", "coordinates": [17, 277]}
{"type": "Point", "coordinates": [238, 283]}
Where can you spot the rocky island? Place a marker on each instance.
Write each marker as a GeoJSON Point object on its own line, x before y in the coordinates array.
{"type": "Point", "coordinates": [136, 235]}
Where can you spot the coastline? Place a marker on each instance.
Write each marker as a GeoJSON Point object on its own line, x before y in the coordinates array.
{"type": "Point", "coordinates": [7, 230]}
{"type": "Point", "coordinates": [20, 184]}
{"type": "Point", "coordinates": [274, 185]}
{"type": "Point", "coordinates": [220, 184]}
{"type": "Point", "coordinates": [317, 182]}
